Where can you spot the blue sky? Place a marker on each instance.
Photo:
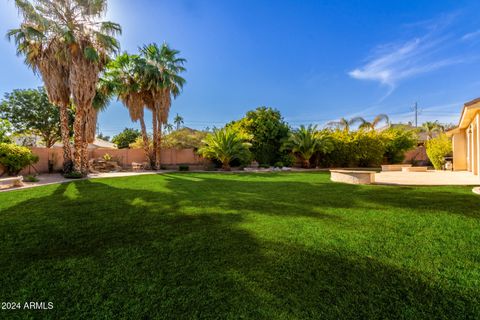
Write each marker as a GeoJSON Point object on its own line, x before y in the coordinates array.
{"type": "Point", "coordinates": [315, 61]}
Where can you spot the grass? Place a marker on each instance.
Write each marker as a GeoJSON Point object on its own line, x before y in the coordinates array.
{"type": "Point", "coordinates": [260, 246]}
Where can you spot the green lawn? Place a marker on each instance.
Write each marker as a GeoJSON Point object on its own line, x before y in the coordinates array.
{"type": "Point", "coordinates": [260, 246]}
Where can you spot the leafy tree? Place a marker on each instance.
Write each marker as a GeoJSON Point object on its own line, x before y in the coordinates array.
{"type": "Point", "coordinates": [437, 149]}
{"type": "Point", "coordinates": [185, 138]}
{"type": "Point", "coordinates": [5, 131]}
{"type": "Point", "coordinates": [306, 141]}
{"type": "Point", "coordinates": [14, 158]}
{"type": "Point", "coordinates": [126, 137]}
{"type": "Point", "coordinates": [30, 112]}
{"type": "Point", "coordinates": [178, 121]}
{"type": "Point", "coordinates": [225, 145]}
{"type": "Point", "coordinates": [267, 130]}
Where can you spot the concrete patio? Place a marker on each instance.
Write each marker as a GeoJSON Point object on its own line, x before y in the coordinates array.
{"type": "Point", "coordinates": [429, 178]}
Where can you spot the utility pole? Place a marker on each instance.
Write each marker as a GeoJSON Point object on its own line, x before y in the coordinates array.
{"type": "Point", "coordinates": [415, 109]}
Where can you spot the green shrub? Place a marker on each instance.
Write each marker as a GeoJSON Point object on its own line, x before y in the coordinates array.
{"type": "Point", "coordinates": [340, 154]}
{"type": "Point", "coordinates": [306, 142]}
{"type": "Point", "coordinates": [183, 167]}
{"type": "Point", "coordinates": [288, 159]}
{"type": "Point", "coordinates": [278, 164]}
{"type": "Point", "coordinates": [30, 178]}
{"type": "Point", "coordinates": [226, 145]}
{"type": "Point", "coordinates": [264, 165]}
{"type": "Point", "coordinates": [368, 148]}
{"type": "Point", "coordinates": [437, 149]}
{"type": "Point", "coordinates": [397, 142]}
{"type": "Point", "coordinates": [73, 175]}
{"type": "Point", "coordinates": [14, 158]}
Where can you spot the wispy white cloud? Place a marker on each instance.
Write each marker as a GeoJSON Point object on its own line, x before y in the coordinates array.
{"type": "Point", "coordinates": [403, 61]}
{"type": "Point", "coordinates": [471, 35]}
{"type": "Point", "coordinates": [400, 60]}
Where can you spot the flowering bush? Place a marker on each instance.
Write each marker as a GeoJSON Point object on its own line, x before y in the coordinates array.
{"type": "Point", "coordinates": [14, 158]}
{"type": "Point", "coordinates": [437, 149]}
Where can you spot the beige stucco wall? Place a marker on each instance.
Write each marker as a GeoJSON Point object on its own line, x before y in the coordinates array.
{"type": "Point", "coordinates": [124, 156]}
{"type": "Point", "coordinates": [459, 143]}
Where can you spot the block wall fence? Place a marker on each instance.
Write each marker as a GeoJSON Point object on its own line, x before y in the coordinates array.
{"type": "Point", "coordinates": [125, 157]}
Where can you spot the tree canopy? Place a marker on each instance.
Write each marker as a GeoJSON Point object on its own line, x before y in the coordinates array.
{"type": "Point", "coordinates": [126, 137]}
{"type": "Point", "coordinates": [5, 131]}
{"type": "Point", "coordinates": [31, 113]}
{"type": "Point", "coordinates": [268, 131]}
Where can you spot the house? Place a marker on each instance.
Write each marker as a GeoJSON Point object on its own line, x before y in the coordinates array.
{"type": "Point", "coordinates": [96, 144]}
{"type": "Point", "coordinates": [466, 139]}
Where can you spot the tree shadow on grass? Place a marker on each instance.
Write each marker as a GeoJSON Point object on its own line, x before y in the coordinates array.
{"type": "Point", "coordinates": [140, 254]}
{"type": "Point", "coordinates": [312, 198]}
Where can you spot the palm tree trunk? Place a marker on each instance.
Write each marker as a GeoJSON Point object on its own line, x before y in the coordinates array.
{"type": "Point", "coordinates": [65, 132]}
{"type": "Point", "coordinates": [226, 166]}
{"type": "Point", "coordinates": [146, 144]}
{"type": "Point", "coordinates": [155, 138]}
{"type": "Point", "coordinates": [79, 133]}
{"type": "Point", "coordinates": [158, 146]}
{"type": "Point", "coordinates": [306, 163]}
{"type": "Point", "coordinates": [85, 165]}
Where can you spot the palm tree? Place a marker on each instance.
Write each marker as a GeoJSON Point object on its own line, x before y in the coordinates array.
{"type": "Point", "coordinates": [178, 120]}
{"type": "Point", "coordinates": [225, 145]}
{"type": "Point", "coordinates": [162, 80]}
{"type": "Point", "coordinates": [40, 56]}
{"type": "Point", "coordinates": [345, 125]}
{"type": "Point", "coordinates": [431, 127]}
{"type": "Point", "coordinates": [122, 78]}
{"type": "Point", "coordinates": [373, 125]}
{"type": "Point", "coordinates": [68, 45]}
{"type": "Point", "coordinates": [168, 127]}
{"type": "Point", "coordinates": [306, 141]}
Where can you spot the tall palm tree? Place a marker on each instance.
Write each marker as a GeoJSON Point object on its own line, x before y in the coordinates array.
{"type": "Point", "coordinates": [162, 79]}
{"type": "Point", "coordinates": [431, 127]}
{"type": "Point", "coordinates": [306, 141]}
{"type": "Point", "coordinates": [40, 55]}
{"type": "Point", "coordinates": [178, 120]}
{"type": "Point", "coordinates": [67, 39]}
{"type": "Point", "coordinates": [168, 127]}
{"type": "Point", "coordinates": [345, 124]}
{"type": "Point", "coordinates": [373, 125]}
{"type": "Point", "coordinates": [122, 78]}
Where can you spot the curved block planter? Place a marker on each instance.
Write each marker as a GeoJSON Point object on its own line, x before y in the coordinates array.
{"type": "Point", "coordinates": [414, 169]}
{"type": "Point", "coordinates": [395, 167]}
{"type": "Point", "coordinates": [476, 190]}
{"type": "Point", "coordinates": [352, 176]}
